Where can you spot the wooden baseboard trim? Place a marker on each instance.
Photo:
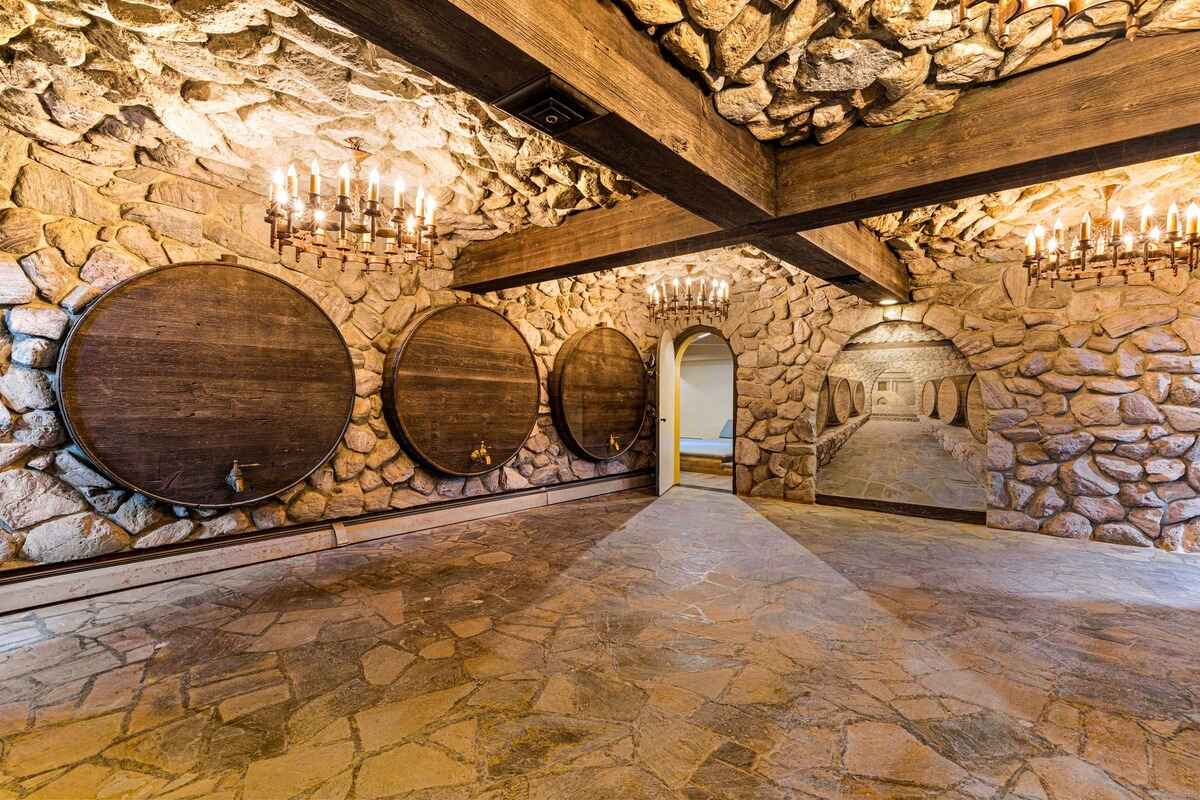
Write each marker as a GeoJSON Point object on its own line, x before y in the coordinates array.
{"type": "Point", "coordinates": [905, 509]}
{"type": "Point", "coordinates": [56, 583]}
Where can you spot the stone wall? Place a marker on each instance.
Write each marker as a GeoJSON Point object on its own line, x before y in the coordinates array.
{"type": "Point", "coordinates": [797, 71]}
{"type": "Point", "coordinates": [1093, 400]}
{"type": "Point", "coordinates": [69, 229]}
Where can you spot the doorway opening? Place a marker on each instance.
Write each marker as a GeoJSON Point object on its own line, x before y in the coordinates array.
{"type": "Point", "coordinates": [705, 419]}
{"type": "Point", "coordinates": [696, 402]}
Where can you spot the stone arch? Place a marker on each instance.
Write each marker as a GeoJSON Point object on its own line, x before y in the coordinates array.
{"type": "Point", "coordinates": [949, 453]}
{"type": "Point", "coordinates": [846, 324]}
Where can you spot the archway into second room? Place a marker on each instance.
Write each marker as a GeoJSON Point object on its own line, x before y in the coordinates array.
{"type": "Point", "coordinates": [704, 410]}
{"type": "Point", "coordinates": [901, 426]}
{"type": "Point", "coordinates": [718, 471]}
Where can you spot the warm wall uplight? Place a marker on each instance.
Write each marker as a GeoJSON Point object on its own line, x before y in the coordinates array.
{"type": "Point", "coordinates": [888, 301]}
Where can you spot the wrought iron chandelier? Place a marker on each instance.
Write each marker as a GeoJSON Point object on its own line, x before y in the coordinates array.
{"type": "Point", "coordinates": [354, 227]}
{"type": "Point", "coordinates": [698, 299]}
{"type": "Point", "coordinates": [1104, 247]}
{"type": "Point", "coordinates": [1061, 13]}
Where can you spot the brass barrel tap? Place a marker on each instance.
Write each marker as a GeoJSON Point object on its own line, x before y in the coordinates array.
{"type": "Point", "coordinates": [613, 442]}
{"type": "Point", "coordinates": [236, 478]}
{"type": "Point", "coordinates": [480, 455]}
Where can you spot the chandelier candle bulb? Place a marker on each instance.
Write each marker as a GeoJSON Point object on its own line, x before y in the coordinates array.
{"type": "Point", "coordinates": [314, 178]}
{"type": "Point", "coordinates": [373, 186]}
{"type": "Point", "coordinates": [1118, 223]}
{"type": "Point", "coordinates": [1173, 220]}
{"type": "Point", "coordinates": [293, 181]}
{"type": "Point", "coordinates": [1193, 219]}
{"type": "Point", "coordinates": [1147, 219]}
{"type": "Point", "coordinates": [344, 181]}
{"type": "Point", "coordinates": [1030, 245]}
{"type": "Point", "coordinates": [1085, 228]}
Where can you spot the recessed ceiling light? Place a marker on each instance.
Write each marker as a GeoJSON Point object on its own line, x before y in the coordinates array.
{"type": "Point", "coordinates": [888, 301]}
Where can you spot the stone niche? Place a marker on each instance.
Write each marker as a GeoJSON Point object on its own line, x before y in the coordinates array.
{"type": "Point", "coordinates": [1092, 392]}
{"type": "Point", "coordinates": [70, 229]}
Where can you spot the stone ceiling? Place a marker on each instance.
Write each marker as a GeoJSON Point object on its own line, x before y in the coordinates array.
{"type": "Point", "coordinates": [797, 71]}
{"type": "Point", "coordinates": [993, 226]}
{"type": "Point", "coordinates": [242, 85]}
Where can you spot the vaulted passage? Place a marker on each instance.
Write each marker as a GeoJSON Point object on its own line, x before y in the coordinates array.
{"type": "Point", "coordinates": [635, 647]}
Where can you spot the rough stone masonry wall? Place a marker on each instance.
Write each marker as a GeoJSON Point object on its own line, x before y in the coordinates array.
{"type": "Point", "coordinates": [801, 70]}
{"type": "Point", "coordinates": [69, 229]}
{"type": "Point", "coordinates": [1093, 393]}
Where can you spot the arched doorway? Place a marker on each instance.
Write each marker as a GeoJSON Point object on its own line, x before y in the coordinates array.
{"type": "Point", "coordinates": [891, 448]}
{"type": "Point", "coordinates": [697, 409]}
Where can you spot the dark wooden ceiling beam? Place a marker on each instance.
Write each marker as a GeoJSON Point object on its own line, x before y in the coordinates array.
{"type": "Point", "coordinates": [650, 227]}
{"type": "Point", "coordinates": [653, 125]}
{"type": "Point", "coordinates": [1127, 103]}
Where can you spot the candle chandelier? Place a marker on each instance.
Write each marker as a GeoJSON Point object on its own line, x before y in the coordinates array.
{"type": "Point", "coordinates": [698, 299]}
{"type": "Point", "coordinates": [1061, 13]}
{"type": "Point", "coordinates": [1106, 246]}
{"type": "Point", "coordinates": [354, 226]}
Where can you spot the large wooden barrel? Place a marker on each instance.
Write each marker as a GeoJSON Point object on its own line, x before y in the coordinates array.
{"type": "Point", "coordinates": [823, 403]}
{"type": "Point", "coordinates": [952, 399]}
{"type": "Point", "coordinates": [841, 403]}
{"type": "Point", "coordinates": [929, 393]}
{"type": "Point", "coordinates": [858, 397]}
{"type": "Point", "coordinates": [175, 374]}
{"type": "Point", "coordinates": [598, 393]}
{"type": "Point", "coordinates": [977, 416]}
{"type": "Point", "coordinates": [461, 389]}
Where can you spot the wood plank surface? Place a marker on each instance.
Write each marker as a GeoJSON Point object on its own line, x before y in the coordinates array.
{"type": "Point", "coordinates": [1125, 103]}
{"type": "Point", "coordinates": [458, 377]}
{"type": "Point", "coordinates": [175, 373]}
{"type": "Point", "coordinates": [598, 393]}
{"type": "Point", "coordinates": [658, 127]}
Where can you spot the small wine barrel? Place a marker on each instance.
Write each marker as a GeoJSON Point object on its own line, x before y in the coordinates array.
{"type": "Point", "coordinates": [598, 393]}
{"type": "Point", "coordinates": [823, 403]}
{"type": "Point", "coordinates": [840, 405]}
{"type": "Point", "coordinates": [175, 374]}
{"type": "Point", "coordinates": [858, 397]}
{"type": "Point", "coordinates": [977, 416]}
{"type": "Point", "coordinates": [952, 399]}
{"type": "Point", "coordinates": [461, 389]}
{"type": "Point", "coordinates": [929, 394]}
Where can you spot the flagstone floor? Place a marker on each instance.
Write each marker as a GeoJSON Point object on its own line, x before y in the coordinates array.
{"type": "Point", "coordinates": [625, 648]}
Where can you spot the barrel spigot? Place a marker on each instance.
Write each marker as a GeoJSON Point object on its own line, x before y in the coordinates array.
{"type": "Point", "coordinates": [236, 478]}
{"type": "Point", "coordinates": [614, 443]}
{"type": "Point", "coordinates": [480, 455]}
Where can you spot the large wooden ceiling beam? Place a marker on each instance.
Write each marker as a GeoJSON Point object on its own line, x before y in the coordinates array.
{"type": "Point", "coordinates": [651, 227]}
{"type": "Point", "coordinates": [1126, 103]}
{"type": "Point", "coordinates": [653, 125]}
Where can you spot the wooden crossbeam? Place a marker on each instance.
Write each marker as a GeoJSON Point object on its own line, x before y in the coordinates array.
{"type": "Point", "coordinates": [1129, 102]}
{"type": "Point", "coordinates": [651, 227]}
{"type": "Point", "coordinates": [653, 125]}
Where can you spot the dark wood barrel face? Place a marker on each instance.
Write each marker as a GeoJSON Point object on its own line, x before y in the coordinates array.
{"type": "Point", "coordinates": [175, 373]}
{"type": "Point", "coordinates": [598, 393]}
{"type": "Point", "coordinates": [461, 389]}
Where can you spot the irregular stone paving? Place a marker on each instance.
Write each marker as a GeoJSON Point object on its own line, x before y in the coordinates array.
{"type": "Point", "coordinates": [626, 647]}
{"type": "Point", "coordinates": [921, 471]}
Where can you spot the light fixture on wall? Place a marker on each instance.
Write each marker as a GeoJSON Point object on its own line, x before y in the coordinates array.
{"type": "Point", "coordinates": [1107, 246]}
{"type": "Point", "coordinates": [1061, 13]}
{"type": "Point", "coordinates": [699, 299]}
{"type": "Point", "coordinates": [354, 227]}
